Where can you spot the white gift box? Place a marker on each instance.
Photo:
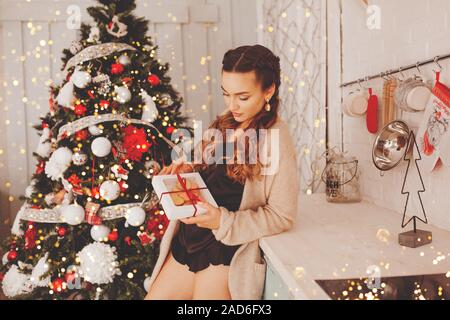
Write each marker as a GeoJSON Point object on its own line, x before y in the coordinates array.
{"type": "Point", "coordinates": [166, 183]}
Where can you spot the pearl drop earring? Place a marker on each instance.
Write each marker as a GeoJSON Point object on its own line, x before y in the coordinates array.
{"type": "Point", "coordinates": [268, 105]}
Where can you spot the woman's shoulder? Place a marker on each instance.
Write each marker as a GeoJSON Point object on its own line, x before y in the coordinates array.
{"type": "Point", "coordinates": [280, 124]}
{"type": "Point", "coordinates": [283, 129]}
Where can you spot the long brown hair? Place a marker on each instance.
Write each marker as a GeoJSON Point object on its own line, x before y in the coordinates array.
{"type": "Point", "coordinates": [266, 66]}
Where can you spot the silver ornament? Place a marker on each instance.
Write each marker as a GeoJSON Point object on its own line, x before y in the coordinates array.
{"type": "Point", "coordinates": [124, 60]}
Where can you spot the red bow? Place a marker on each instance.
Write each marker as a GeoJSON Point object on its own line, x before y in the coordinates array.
{"type": "Point", "coordinates": [192, 197]}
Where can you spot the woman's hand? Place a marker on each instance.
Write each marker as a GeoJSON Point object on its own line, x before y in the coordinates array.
{"type": "Point", "coordinates": [210, 219]}
{"type": "Point", "coordinates": [177, 167]}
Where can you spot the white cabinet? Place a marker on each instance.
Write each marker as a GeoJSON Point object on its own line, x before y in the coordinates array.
{"type": "Point", "coordinates": [344, 241]}
{"type": "Point", "coordinates": [275, 288]}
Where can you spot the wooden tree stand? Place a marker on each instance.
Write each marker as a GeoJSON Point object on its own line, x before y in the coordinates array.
{"type": "Point", "coordinates": [415, 238]}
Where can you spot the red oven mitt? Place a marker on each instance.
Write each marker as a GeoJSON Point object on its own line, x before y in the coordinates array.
{"type": "Point", "coordinates": [372, 113]}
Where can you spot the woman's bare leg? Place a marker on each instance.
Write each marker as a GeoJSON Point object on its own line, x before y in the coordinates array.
{"type": "Point", "coordinates": [174, 282]}
{"type": "Point", "coordinates": [212, 283]}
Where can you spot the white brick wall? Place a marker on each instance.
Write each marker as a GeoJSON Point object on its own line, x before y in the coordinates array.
{"type": "Point", "coordinates": [411, 30]}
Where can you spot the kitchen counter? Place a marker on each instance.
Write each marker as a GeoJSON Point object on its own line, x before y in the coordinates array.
{"type": "Point", "coordinates": [342, 241]}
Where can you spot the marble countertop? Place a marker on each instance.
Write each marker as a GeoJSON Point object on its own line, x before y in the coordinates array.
{"type": "Point", "coordinates": [342, 241]}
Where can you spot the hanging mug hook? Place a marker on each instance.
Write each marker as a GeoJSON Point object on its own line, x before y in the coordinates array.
{"type": "Point", "coordinates": [390, 75]}
{"type": "Point", "coordinates": [436, 60]}
{"type": "Point", "coordinates": [366, 80]}
{"type": "Point", "coordinates": [418, 69]}
{"type": "Point", "coordinates": [400, 70]}
{"type": "Point", "coordinates": [359, 83]}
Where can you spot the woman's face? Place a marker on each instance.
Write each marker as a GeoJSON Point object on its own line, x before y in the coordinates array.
{"type": "Point", "coordinates": [243, 95]}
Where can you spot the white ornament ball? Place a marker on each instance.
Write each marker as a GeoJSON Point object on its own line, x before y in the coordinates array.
{"type": "Point", "coordinates": [135, 216]}
{"type": "Point", "coordinates": [98, 263]}
{"type": "Point", "coordinates": [124, 60]}
{"type": "Point", "coordinates": [100, 233]}
{"type": "Point", "coordinates": [72, 214]}
{"type": "Point", "coordinates": [101, 147]}
{"type": "Point", "coordinates": [147, 284]}
{"type": "Point", "coordinates": [62, 156]}
{"type": "Point", "coordinates": [80, 78]}
{"type": "Point", "coordinates": [65, 95]}
{"type": "Point", "coordinates": [95, 131]}
{"type": "Point", "coordinates": [110, 190]}
{"type": "Point", "coordinates": [79, 158]}
{"type": "Point", "coordinates": [123, 94]}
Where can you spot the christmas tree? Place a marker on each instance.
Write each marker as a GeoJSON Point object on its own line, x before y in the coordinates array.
{"type": "Point", "coordinates": [90, 226]}
{"type": "Point", "coordinates": [413, 182]}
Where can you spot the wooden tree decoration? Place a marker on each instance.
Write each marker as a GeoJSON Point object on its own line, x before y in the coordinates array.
{"type": "Point", "coordinates": [414, 238]}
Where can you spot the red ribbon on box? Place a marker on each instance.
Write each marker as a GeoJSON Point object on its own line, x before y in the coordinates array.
{"type": "Point", "coordinates": [192, 197]}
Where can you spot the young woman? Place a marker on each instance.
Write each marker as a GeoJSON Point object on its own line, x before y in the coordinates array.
{"type": "Point", "coordinates": [217, 255]}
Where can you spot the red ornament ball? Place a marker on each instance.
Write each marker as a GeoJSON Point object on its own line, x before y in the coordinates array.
{"type": "Point", "coordinates": [154, 80]}
{"type": "Point", "coordinates": [116, 68]}
{"type": "Point", "coordinates": [104, 104]}
{"type": "Point", "coordinates": [127, 240]}
{"type": "Point", "coordinates": [61, 231]}
{"type": "Point", "coordinates": [79, 110]}
{"type": "Point", "coordinates": [12, 255]}
{"type": "Point", "coordinates": [58, 285]}
{"type": "Point", "coordinates": [113, 235]}
{"type": "Point", "coordinates": [170, 129]}
{"type": "Point", "coordinates": [81, 135]}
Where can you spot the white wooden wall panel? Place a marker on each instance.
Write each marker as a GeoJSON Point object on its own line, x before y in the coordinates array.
{"type": "Point", "coordinates": [192, 36]}
{"type": "Point", "coordinates": [220, 38]}
{"type": "Point", "coordinates": [15, 116]}
{"type": "Point", "coordinates": [4, 183]}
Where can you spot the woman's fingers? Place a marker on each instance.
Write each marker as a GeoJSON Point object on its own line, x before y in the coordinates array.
{"type": "Point", "coordinates": [166, 170]}
{"type": "Point", "coordinates": [175, 167]}
{"type": "Point", "coordinates": [206, 205]}
{"type": "Point", "coordinates": [195, 220]}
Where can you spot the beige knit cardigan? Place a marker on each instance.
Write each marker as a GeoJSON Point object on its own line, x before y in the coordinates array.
{"type": "Point", "coordinates": [269, 206]}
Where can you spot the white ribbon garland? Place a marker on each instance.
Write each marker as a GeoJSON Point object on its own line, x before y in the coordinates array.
{"type": "Point", "coordinates": [97, 51]}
